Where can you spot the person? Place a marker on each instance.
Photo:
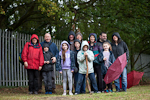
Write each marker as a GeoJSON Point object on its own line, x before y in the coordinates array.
{"type": "Point", "coordinates": [82, 54]}
{"type": "Point", "coordinates": [71, 38]}
{"type": "Point", "coordinates": [119, 47]}
{"type": "Point", "coordinates": [76, 72]}
{"type": "Point", "coordinates": [32, 56]}
{"type": "Point", "coordinates": [54, 50]}
{"type": "Point", "coordinates": [79, 36]}
{"type": "Point", "coordinates": [47, 69]}
{"type": "Point", "coordinates": [106, 58]}
{"type": "Point", "coordinates": [66, 65]}
{"type": "Point", "coordinates": [97, 67]}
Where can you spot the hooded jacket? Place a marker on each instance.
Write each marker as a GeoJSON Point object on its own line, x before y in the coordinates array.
{"type": "Point", "coordinates": [71, 45]}
{"type": "Point", "coordinates": [82, 61]}
{"type": "Point", "coordinates": [121, 48]}
{"type": "Point", "coordinates": [95, 48]}
{"type": "Point", "coordinates": [47, 57]}
{"type": "Point", "coordinates": [69, 61]}
{"type": "Point", "coordinates": [33, 54]}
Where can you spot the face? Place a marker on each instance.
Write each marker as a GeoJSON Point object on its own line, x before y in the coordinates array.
{"type": "Point", "coordinates": [34, 40]}
{"type": "Point", "coordinates": [106, 47]}
{"type": "Point", "coordinates": [115, 38]}
{"type": "Point", "coordinates": [47, 37]}
{"type": "Point", "coordinates": [92, 38]}
{"type": "Point", "coordinates": [77, 44]}
{"type": "Point", "coordinates": [85, 48]}
{"type": "Point", "coordinates": [79, 37]}
{"type": "Point", "coordinates": [103, 37]}
{"type": "Point", "coordinates": [46, 49]}
{"type": "Point", "coordinates": [71, 37]}
{"type": "Point", "coordinates": [64, 46]}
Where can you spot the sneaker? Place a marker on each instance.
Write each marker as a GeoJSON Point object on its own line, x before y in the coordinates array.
{"type": "Point", "coordinates": [75, 93]}
{"type": "Point", "coordinates": [64, 93]}
{"type": "Point", "coordinates": [110, 90]}
{"type": "Point", "coordinates": [98, 92]}
{"type": "Point", "coordinates": [46, 92]}
{"type": "Point", "coordinates": [106, 91]}
{"type": "Point", "coordinates": [117, 90]}
{"type": "Point", "coordinates": [70, 93]}
{"type": "Point", "coordinates": [92, 91]}
{"type": "Point", "coordinates": [30, 92]}
{"type": "Point", "coordinates": [35, 92]}
{"type": "Point", "coordinates": [103, 91]}
{"type": "Point", "coordinates": [49, 92]}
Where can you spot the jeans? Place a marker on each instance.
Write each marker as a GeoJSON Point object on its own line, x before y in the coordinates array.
{"type": "Point", "coordinates": [124, 81]}
{"type": "Point", "coordinates": [81, 77]}
{"type": "Point", "coordinates": [76, 75]}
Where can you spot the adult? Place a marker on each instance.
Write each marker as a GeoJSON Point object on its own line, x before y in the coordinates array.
{"type": "Point", "coordinates": [79, 36]}
{"type": "Point", "coordinates": [102, 38]}
{"type": "Point", "coordinates": [54, 50]}
{"type": "Point", "coordinates": [71, 38]}
{"type": "Point", "coordinates": [97, 67]}
{"type": "Point", "coordinates": [32, 56]}
{"type": "Point", "coordinates": [119, 47]}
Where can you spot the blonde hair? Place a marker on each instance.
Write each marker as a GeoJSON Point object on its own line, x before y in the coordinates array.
{"type": "Point", "coordinates": [110, 48]}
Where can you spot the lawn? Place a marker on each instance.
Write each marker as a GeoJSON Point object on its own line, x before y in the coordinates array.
{"type": "Point", "coordinates": [21, 93]}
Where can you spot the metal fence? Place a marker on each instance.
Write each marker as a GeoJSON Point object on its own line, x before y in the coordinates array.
{"type": "Point", "coordinates": [12, 73]}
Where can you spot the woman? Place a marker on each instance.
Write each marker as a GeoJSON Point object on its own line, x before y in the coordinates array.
{"type": "Point", "coordinates": [32, 56]}
{"type": "Point", "coordinates": [119, 47]}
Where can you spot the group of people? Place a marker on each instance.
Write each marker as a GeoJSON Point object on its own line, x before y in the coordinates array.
{"type": "Point", "coordinates": [70, 61]}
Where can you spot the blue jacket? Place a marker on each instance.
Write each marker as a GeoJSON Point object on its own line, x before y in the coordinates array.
{"type": "Point", "coordinates": [100, 59]}
{"type": "Point", "coordinates": [52, 48]}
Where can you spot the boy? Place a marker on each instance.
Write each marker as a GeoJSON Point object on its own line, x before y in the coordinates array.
{"type": "Point", "coordinates": [83, 68]}
{"type": "Point", "coordinates": [47, 69]}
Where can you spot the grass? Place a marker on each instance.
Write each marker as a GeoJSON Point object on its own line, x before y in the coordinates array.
{"type": "Point", "coordinates": [21, 93]}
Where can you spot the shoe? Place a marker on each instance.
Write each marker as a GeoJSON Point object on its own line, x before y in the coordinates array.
{"type": "Point", "coordinates": [64, 93]}
{"type": "Point", "coordinates": [92, 91]}
{"type": "Point", "coordinates": [30, 92]}
{"type": "Point", "coordinates": [109, 90]}
{"type": "Point", "coordinates": [35, 92]}
{"type": "Point", "coordinates": [103, 91]}
{"type": "Point", "coordinates": [106, 91]}
{"type": "Point", "coordinates": [49, 92]}
{"type": "Point", "coordinates": [46, 92]}
{"type": "Point", "coordinates": [76, 94]}
{"type": "Point", "coordinates": [53, 91]}
{"type": "Point", "coordinates": [117, 90]}
{"type": "Point", "coordinates": [70, 93]}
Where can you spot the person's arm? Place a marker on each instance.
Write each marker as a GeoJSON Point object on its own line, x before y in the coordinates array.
{"type": "Point", "coordinates": [25, 51]}
{"type": "Point", "coordinates": [41, 58]}
{"type": "Point", "coordinates": [80, 56]}
{"type": "Point", "coordinates": [126, 50]}
{"type": "Point", "coordinates": [100, 57]}
{"type": "Point", "coordinates": [90, 56]}
{"type": "Point", "coordinates": [72, 54]}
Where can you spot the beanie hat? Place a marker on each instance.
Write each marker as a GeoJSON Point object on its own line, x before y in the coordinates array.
{"type": "Point", "coordinates": [45, 45]}
{"type": "Point", "coordinates": [79, 34]}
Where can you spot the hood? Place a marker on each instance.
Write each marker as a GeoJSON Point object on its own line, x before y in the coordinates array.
{"type": "Point", "coordinates": [71, 33]}
{"type": "Point", "coordinates": [94, 36]}
{"type": "Point", "coordinates": [116, 34]}
{"type": "Point", "coordinates": [79, 34]}
{"type": "Point", "coordinates": [83, 44]}
{"type": "Point", "coordinates": [63, 43]}
{"type": "Point", "coordinates": [34, 36]}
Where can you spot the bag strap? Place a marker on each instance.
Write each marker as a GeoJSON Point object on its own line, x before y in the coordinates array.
{"type": "Point", "coordinates": [50, 44]}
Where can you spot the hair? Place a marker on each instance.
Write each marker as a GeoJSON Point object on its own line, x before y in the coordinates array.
{"type": "Point", "coordinates": [103, 33]}
{"type": "Point", "coordinates": [119, 40]}
{"type": "Point", "coordinates": [63, 54]}
{"type": "Point", "coordinates": [110, 48]}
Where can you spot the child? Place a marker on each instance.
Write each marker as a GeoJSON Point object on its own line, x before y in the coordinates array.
{"type": "Point", "coordinates": [66, 65]}
{"type": "Point", "coordinates": [83, 68]}
{"type": "Point", "coordinates": [47, 69]}
{"type": "Point", "coordinates": [76, 72]}
{"type": "Point", "coordinates": [32, 56]}
{"type": "Point", "coordinates": [106, 58]}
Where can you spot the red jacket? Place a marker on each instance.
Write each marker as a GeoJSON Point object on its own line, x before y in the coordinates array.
{"type": "Point", "coordinates": [33, 54]}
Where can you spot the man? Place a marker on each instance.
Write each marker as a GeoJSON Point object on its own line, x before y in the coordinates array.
{"type": "Point", "coordinates": [71, 38]}
{"type": "Point", "coordinates": [54, 50]}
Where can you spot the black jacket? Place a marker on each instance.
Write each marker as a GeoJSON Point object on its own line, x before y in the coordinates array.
{"type": "Point", "coordinates": [47, 57]}
{"type": "Point", "coordinates": [121, 48]}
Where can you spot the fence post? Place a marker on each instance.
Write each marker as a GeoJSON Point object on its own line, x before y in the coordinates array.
{"type": "Point", "coordinates": [0, 56]}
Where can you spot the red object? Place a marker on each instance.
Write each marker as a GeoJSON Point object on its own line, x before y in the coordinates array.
{"type": "Point", "coordinates": [115, 70]}
{"type": "Point", "coordinates": [33, 54]}
{"type": "Point", "coordinates": [133, 78]}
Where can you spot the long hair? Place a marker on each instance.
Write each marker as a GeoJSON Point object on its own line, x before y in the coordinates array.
{"type": "Point", "coordinates": [63, 54]}
{"type": "Point", "coordinates": [110, 48]}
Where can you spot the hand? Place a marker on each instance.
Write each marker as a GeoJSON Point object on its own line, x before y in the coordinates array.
{"type": "Point", "coordinates": [60, 72]}
{"type": "Point", "coordinates": [53, 59]}
{"type": "Point", "coordinates": [47, 62]}
{"type": "Point", "coordinates": [40, 68]}
{"type": "Point", "coordinates": [26, 64]}
{"type": "Point", "coordinates": [85, 53]}
{"type": "Point", "coordinates": [104, 59]}
{"type": "Point", "coordinates": [72, 71]}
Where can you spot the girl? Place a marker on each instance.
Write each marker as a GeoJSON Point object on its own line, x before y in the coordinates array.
{"type": "Point", "coordinates": [66, 64]}
{"type": "Point", "coordinates": [106, 58]}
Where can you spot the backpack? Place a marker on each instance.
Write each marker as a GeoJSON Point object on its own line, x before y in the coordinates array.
{"type": "Point", "coordinates": [20, 59]}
